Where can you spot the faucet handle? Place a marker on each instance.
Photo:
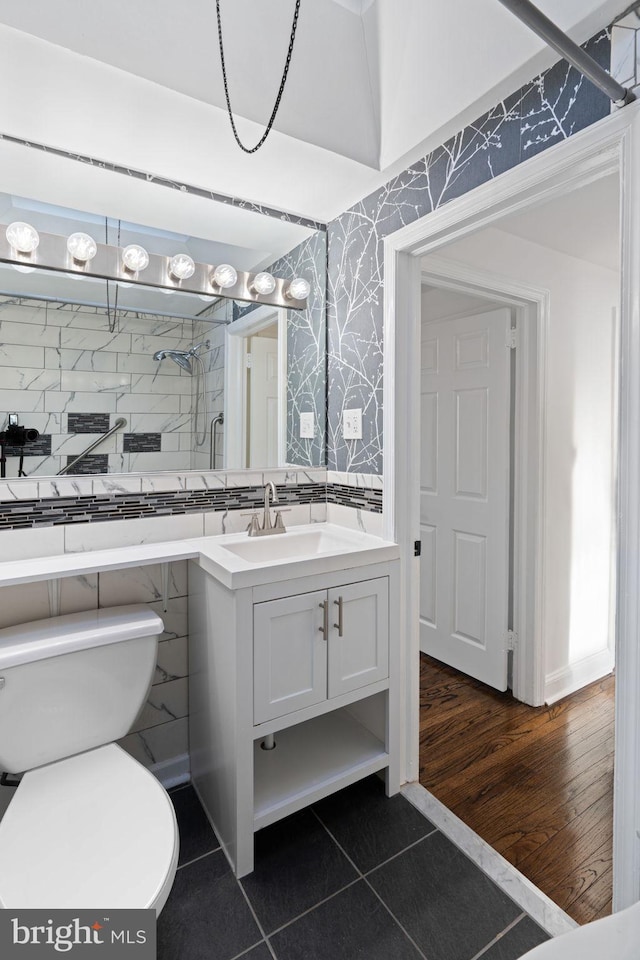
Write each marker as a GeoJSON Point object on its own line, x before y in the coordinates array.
{"type": "Point", "coordinates": [253, 527]}
{"type": "Point", "coordinates": [279, 525]}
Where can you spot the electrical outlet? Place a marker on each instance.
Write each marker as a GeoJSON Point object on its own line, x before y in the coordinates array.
{"type": "Point", "coordinates": [352, 424]}
{"type": "Point", "coordinates": [307, 426]}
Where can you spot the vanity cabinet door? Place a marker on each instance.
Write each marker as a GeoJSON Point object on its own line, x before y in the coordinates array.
{"type": "Point", "coordinates": [290, 655]}
{"type": "Point", "coordinates": [359, 635]}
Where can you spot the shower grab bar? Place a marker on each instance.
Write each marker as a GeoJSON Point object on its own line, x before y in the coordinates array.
{"type": "Point", "coordinates": [120, 422]}
{"type": "Point", "coordinates": [213, 439]}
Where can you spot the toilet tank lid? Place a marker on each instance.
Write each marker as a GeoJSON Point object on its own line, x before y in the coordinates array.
{"type": "Point", "coordinates": [55, 636]}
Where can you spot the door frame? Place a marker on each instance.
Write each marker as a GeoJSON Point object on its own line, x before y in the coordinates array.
{"type": "Point", "coordinates": [532, 307]}
{"type": "Point", "coordinates": [235, 382]}
{"type": "Point", "coordinates": [610, 146]}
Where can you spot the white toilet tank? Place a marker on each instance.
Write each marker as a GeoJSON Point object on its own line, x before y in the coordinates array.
{"type": "Point", "coordinates": [71, 683]}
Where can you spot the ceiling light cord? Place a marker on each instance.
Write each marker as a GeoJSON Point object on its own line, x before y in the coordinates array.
{"type": "Point", "coordinates": [280, 91]}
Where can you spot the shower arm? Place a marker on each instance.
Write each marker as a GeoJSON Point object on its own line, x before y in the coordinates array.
{"type": "Point", "coordinates": [120, 422]}
{"type": "Point", "coordinates": [529, 14]}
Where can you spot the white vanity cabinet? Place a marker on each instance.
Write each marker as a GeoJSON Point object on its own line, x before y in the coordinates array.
{"type": "Point", "coordinates": [314, 646]}
{"type": "Point", "coordinates": [307, 660]}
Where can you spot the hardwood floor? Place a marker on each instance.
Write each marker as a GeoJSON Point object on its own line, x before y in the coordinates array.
{"type": "Point", "coordinates": [534, 782]}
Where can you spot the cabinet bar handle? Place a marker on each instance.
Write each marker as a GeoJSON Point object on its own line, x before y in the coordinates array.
{"type": "Point", "coordinates": [325, 619]}
{"type": "Point", "coordinates": [338, 604]}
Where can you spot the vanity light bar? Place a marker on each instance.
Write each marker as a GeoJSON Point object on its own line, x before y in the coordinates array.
{"type": "Point", "coordinates": [109, 263]}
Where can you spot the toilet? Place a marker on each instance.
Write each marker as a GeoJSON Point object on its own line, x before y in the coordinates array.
{"type": "Point", "coordinates": [88, 826]}
{"type": "Point", "coordinates": [615, 938]}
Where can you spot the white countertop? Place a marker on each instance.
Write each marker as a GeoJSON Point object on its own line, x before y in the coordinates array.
{"type": "Point", "coordinates": [345, 549]}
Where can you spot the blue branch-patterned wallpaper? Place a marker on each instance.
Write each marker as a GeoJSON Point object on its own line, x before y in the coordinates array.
{"type": "Point", "coordinates": [545, 111]}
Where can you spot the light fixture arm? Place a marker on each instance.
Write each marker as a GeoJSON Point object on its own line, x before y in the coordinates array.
{"type": "Point", "coordinates": [280, 91]}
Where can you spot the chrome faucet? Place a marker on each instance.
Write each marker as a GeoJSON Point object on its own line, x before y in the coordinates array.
{"type": "Point", "coordinates": [269, 487]}
{"type": "Point", "coordinates": [254, 529]}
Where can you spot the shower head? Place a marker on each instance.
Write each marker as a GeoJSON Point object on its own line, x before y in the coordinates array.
{"type": "Point", "coordinates": [181, 357]}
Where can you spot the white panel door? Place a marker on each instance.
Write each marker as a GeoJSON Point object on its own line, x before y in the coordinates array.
{"type": "Point", "coordinates": [464, 493]}
{"type": "Point", "coordinates": [289, 655]}
{"type": "Point", "coordinates": [263, 407]}
{"type": "Point", "coordinates": [359, 635]}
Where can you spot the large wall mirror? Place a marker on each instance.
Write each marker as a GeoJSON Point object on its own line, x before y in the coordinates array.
{"type": "Point", "coordinates": [178, 381]}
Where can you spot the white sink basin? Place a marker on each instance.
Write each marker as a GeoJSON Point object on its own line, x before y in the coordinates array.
{"type": "Point", "coordinates": [292, 544]}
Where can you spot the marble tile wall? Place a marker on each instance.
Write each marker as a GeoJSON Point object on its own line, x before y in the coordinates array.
{"type": "Point", "coordinates": [625, 51]}
{"type": "Point", "coordinates": [61, 360]}
{"type": "Point", "coordinates": [546, 111]}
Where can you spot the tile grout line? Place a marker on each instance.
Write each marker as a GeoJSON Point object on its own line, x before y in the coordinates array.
{"type": "Point", "coordinates": [314, 907]}
{"type": "Point", "coordinates": [249, 949]}
{"type": "Point", "coordinates": [255, 917]}
{"type": "Point", "coordinates": [201, 857]}
{"type": "Point", "coordinates": [399, 854]}
{"type": "Point", "coordinates": [375, 893]}
{"type": "Point", "coordinates": [499, 936]}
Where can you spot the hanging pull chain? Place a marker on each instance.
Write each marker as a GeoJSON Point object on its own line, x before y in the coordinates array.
{"type": "Point", "coordinates": [280, 91]}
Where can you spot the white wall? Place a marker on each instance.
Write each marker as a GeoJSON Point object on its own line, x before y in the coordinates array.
{"type": "Point", "coordinates": [577, 567]}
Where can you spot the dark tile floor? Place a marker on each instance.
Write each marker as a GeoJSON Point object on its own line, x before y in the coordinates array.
{"type": "Point", "coordinates": [355, 876]}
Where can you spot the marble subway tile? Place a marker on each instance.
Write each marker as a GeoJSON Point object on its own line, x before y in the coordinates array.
{"type": "Point", "coordinates": [30, 379]}
{"type": "Point", "coordinates": [95, 340]}
{"type": "Point", "coordinates": [166, 702]}
{"type": "Point", "coordinates": [110, 485]}
{"type": "Point", "coordinates": [173, 660]}
{"type": "Point", "coordinates": [30, 601]}
{"type": "Point", "coordinates": [31, 543]}
{"type": "Point", "coordinates": [158, 744]}
{"type": "Point", "coordinates": [19, 489]}
{"type": "Point", "coordinates": [147, 403]}
{"type": "Point", "coordinates": [144, 363]}
{"type": "Point", "coordinates": [142, 585]}
{"type": "Point", "coordinates": [151, 462]}
{"type": "Point", "coordinates": [159, 383]}
{"type": "Point", "coordinates": [176, 616]}
{"type": "Point", "coordinates": [87, 360]}
{"type": "Point", "coordinates": [115, 533]}
{"type": "Point", "coordinates": [65, 487]}
{"type": "Point", "coordinates": [355, 519]}
{"type": "Point", "coordinates": [94, 381]}
{"type": "Point", "coordinates": [12, 332]}
{"type": "Point", "coordinates": [318, 512]}
{"type": "Point", "coordinates": [14, 355]}
{"type": "Point", "coordinates": [80, 402]}
{"type": "Point", "coordinates": [244, 478]}
{"type": "Point", "coordinates": [27, 401]}
{"type": "Point", "coordinates": [163, 482]}
{"type": "Point", "coordinates": [158, 422]}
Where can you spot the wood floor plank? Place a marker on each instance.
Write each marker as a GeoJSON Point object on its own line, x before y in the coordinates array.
{"type": "Point", "coordinates": [536, 783]}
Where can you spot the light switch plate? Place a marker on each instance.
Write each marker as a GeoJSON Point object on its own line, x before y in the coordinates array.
{"type": "Point", "coordinates": [352, 424]}
{"type": "Point", "coordinates": [307, 426]}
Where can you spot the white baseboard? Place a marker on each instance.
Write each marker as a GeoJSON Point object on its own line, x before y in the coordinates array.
{"type": "Point", "coordinates": [573, 677]}
{"type": "Point", "coordinates": [173, 772]}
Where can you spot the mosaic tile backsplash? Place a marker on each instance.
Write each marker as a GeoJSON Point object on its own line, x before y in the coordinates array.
{"type": "Point", "coordinates": [546, 111]}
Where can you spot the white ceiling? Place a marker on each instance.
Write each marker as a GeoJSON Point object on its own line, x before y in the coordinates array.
{"type": "Point", "coordinates": [373, 84]}
{"type": "Point", "coordinates": [584, 223]}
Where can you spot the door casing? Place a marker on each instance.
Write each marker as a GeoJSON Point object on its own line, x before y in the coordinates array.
{"type": "Point", "coordinates": [609, 146]}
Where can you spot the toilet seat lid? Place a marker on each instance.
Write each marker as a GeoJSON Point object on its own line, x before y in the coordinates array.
{"type": "Point", "coordinates": [95, 830]}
